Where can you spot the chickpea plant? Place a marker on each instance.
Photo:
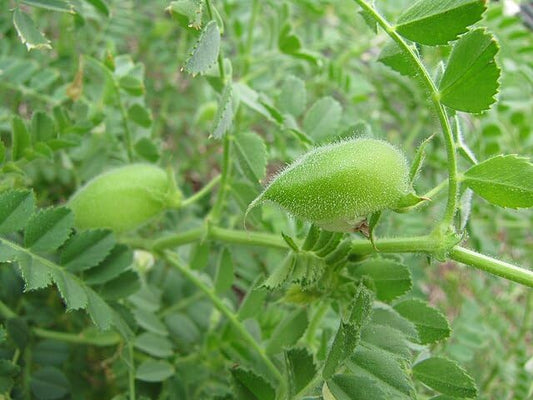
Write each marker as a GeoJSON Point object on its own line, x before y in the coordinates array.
{"type": "Point", "coordinates": [302, 285]}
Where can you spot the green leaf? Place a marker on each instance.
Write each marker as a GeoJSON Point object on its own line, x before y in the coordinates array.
{"type": "Point", "coordinates": [388, 316]}
{"type": "Point", "coordinates": [28, 33]}
{"type": "Point", "coordinates": [121, 287]}
{"type": "Point", "coordinates": [52, 5]}
{"type": "Point", "coordinates": [205, 51]}
{"type": "Point", "coordinates": [18, 331]}
{"type": "Point", "coordinates": [224, 116]}
{"type": "Point", "coordinates": [70, 288]}
{"type": "Point", "coordinates": [420, 156]}
{"type": "Point", "coordinates": [100, 5]}
{"type": "Point", "coordinates": [225, 273]}
{"type": "Point", "coordinates": [36, 274]}
{"type": "Point", "coordinates": [393, 57]}
{"type": "Point", "coordinates": [132, 84]}
{"type": "Point", "coordinates": [149, 321]}
{"type": "Point", "coordinates": [7, 252]}
{"type": "Point", "coordinates": [48, 229]}
{"type": "Point", "coordinates": [251, 154]}
{"type": "Point", "coordinates": [349, 333]}
{"type": "Point", "coordinates": [390, 374]}
{"type": "Point", "coordinates": [391, 278]}
{"type": "Point", "coordinates": [386, 338]}
{"type": "Point", "coordinates": [288, 331]}
{"type": "Point", "coordinates": [16, 208]}
{"type": "Point", "coordinates": [301, 369]}
{"type": "Point", "coordinates": [192, 10]}
{"type": "Point", "coordinates": [182, 329]}
{"type": "Point", "coordinates": [350, 387]}
{"type": "Point", "coordinates": [506, 181]}
{"type": "Point", "coordinates": [470, 80]}
{"type": "Point", "coordinates": [293, 97]}
{"type": "Point", "coordinates": [252, 302]}
{"type": "Point", "coordinates": [155, 345]}
{"type": "Point", "coordinates": [140, 115]}
{"type": "Point", "coordinates": [117, 261]}
{"type": "Point", "coordinates": [323, 118]}
{"type": "Point", "coordinates": [2, 152]}
{"type": "Point", "coordinates": [100, 312]}
{"type": "Point", "coordinates": [147, 149]}
{"type": "Point", "coordinates": [154, 371]}
{"type": "Point", "coordinates": [436, 22]}
{"type": "Point", "coordinates": [252, 386]}
{"type": "Point", "coordinates": [431, 324]}
{"type": "Point", "coordinates": [288, 41]}
{"type": "Point", "coordinates": [87, 249]}
{"type": "Point", "coordinates": [445, 376]}
{"type": "Point", "coordinates": [20, 138]}
{"type": "Point", "coordinates": [49, 383]}
{"type": "Point", "coordinates": [281, 274]}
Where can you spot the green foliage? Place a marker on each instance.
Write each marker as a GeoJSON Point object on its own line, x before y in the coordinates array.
{"type": "Point", "coordinates": [209, 301]}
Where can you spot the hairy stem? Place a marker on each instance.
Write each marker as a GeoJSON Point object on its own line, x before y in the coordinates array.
{"type": "Point", "coordinates": [453, 185]}
{"type": "Point", "coordinates": [232, 318]}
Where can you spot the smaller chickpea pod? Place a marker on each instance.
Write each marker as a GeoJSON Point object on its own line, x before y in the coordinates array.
{"type": "Point", "coordinates": [337, 185]}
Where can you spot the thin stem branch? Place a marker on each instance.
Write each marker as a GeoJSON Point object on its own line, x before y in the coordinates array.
{"type": "Point", "coordinates": [131, 371]}
{"type": "Point", "coordinates": [216, 211]}
{"type": "Point", "coordinates": [453, 185]}
{"type": "Point", "coordinates": [100, 340]}
{"type": "Point", "coordinates": [492, 265]}
{"type": "Point", "coordinates": [201, 193]}
{"type": "Point", "coordinates": [232, 318]}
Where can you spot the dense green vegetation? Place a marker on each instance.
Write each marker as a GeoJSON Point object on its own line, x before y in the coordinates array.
{"type": "Point", "coordinates": [180, 289]}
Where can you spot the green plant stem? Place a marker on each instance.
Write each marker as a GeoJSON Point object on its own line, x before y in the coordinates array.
{"type": "Point", "coordinates": [125, 124]}
{"type": "Point", "coordinates": [492, 265]}
{"type": "Point", "coordinates": [232, 318]}
{"type": "Point", "coordinates": [453, 184]}
{"type": "Point", "coordinates": [315, 322]}
{"type": "Point", "coordinates": [131, 371]}
{"type": "Point", "coordinates": [100, 340]}
{"type": "Point", "coordinates": [201, 193]}
{"type": "Point", "coordinates": [250, 36]}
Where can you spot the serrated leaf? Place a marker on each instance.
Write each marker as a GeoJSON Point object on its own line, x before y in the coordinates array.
{"type": "Point", "coordinates": [251, 385]}
{"type": "Point", "coordinates": [224, 116]}
{"type": "Point", "coordinates": [293, 97]}
{"type": "Point", "coordinates": [393, 57]}
{"type": "Point", "coordinates": [281, 274]}
{"type": "Point", "coordinates": [470, 80]}
{"type": "Point", "coordinates": [192, 10]}
{"type": "Point", "coordinates": [99, 311]}
{"type": "Point", "coordinates": [445, 376]}
{"type": "Point", "coordinates": [436, 22]}
{"type": "Point", "coordinates": [20, 138]}
{"type": "Point", "coordinates": [205, 51]}
{"type": "Point", "coordinates": [7, 252]}
{"type": "Point", "coordinates": [225, 273]}
{"type": "Point", "coordinates": [52, 5]}
{"type": "Point", "coordinates": [349, 333]}
{"type": "Point", "coordinates": [117, 261]}
{"type": "Point", "coordinates": [70, 289]}
{"type": "Point", "coordinates": [16, 208]}
{"type": "Point", "coordinates": [390, 374]}
{"type": "Point", "coordinates": [36, 274]}
{"type": "Point", "coordinates": [28, 33]}
{"type": "Point", "coordinates": [288, 331]}
{"type": "Point", "coordinates": [431, 324]}
{"type": "Point", "coordinates": [301, 369]}
{"type": "Point", "coordinates": [87, 249]}
{"type": "Point", "coordinates": [251, 154]}
{"type": "Point", "coordinates": [506, 181]}
{"type": "Point", "coordinates": [350, 387]}
{"type": "Point", "coordinates": [49, 383]}
{"type": "Point", "coordinates": [323, 118]}
{"type": "Point", "coordinates": [154, 371]}
{"type": "Point", "coordinates": [391, 278]}
{"type": "Point", "coordinates": [388, 316]}
{"type": "Point", "coordinates": [48, 229]}
{"type": "Point", "coordinates": [155, 345]}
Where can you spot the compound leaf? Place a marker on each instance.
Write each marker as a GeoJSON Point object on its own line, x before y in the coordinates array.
{"type": "Point", "coordinates": [249, 385]}
{"type": "Point", "coordinates": [506, 181]}
{"type": "Point", "coordinates": [70, 288]}
{"type": "Point", "coordinates": [87, 249]}
{"type": "Point", "coordinates": [16, 209]}
{"type": "Point", "coordinates": [349, 387]}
